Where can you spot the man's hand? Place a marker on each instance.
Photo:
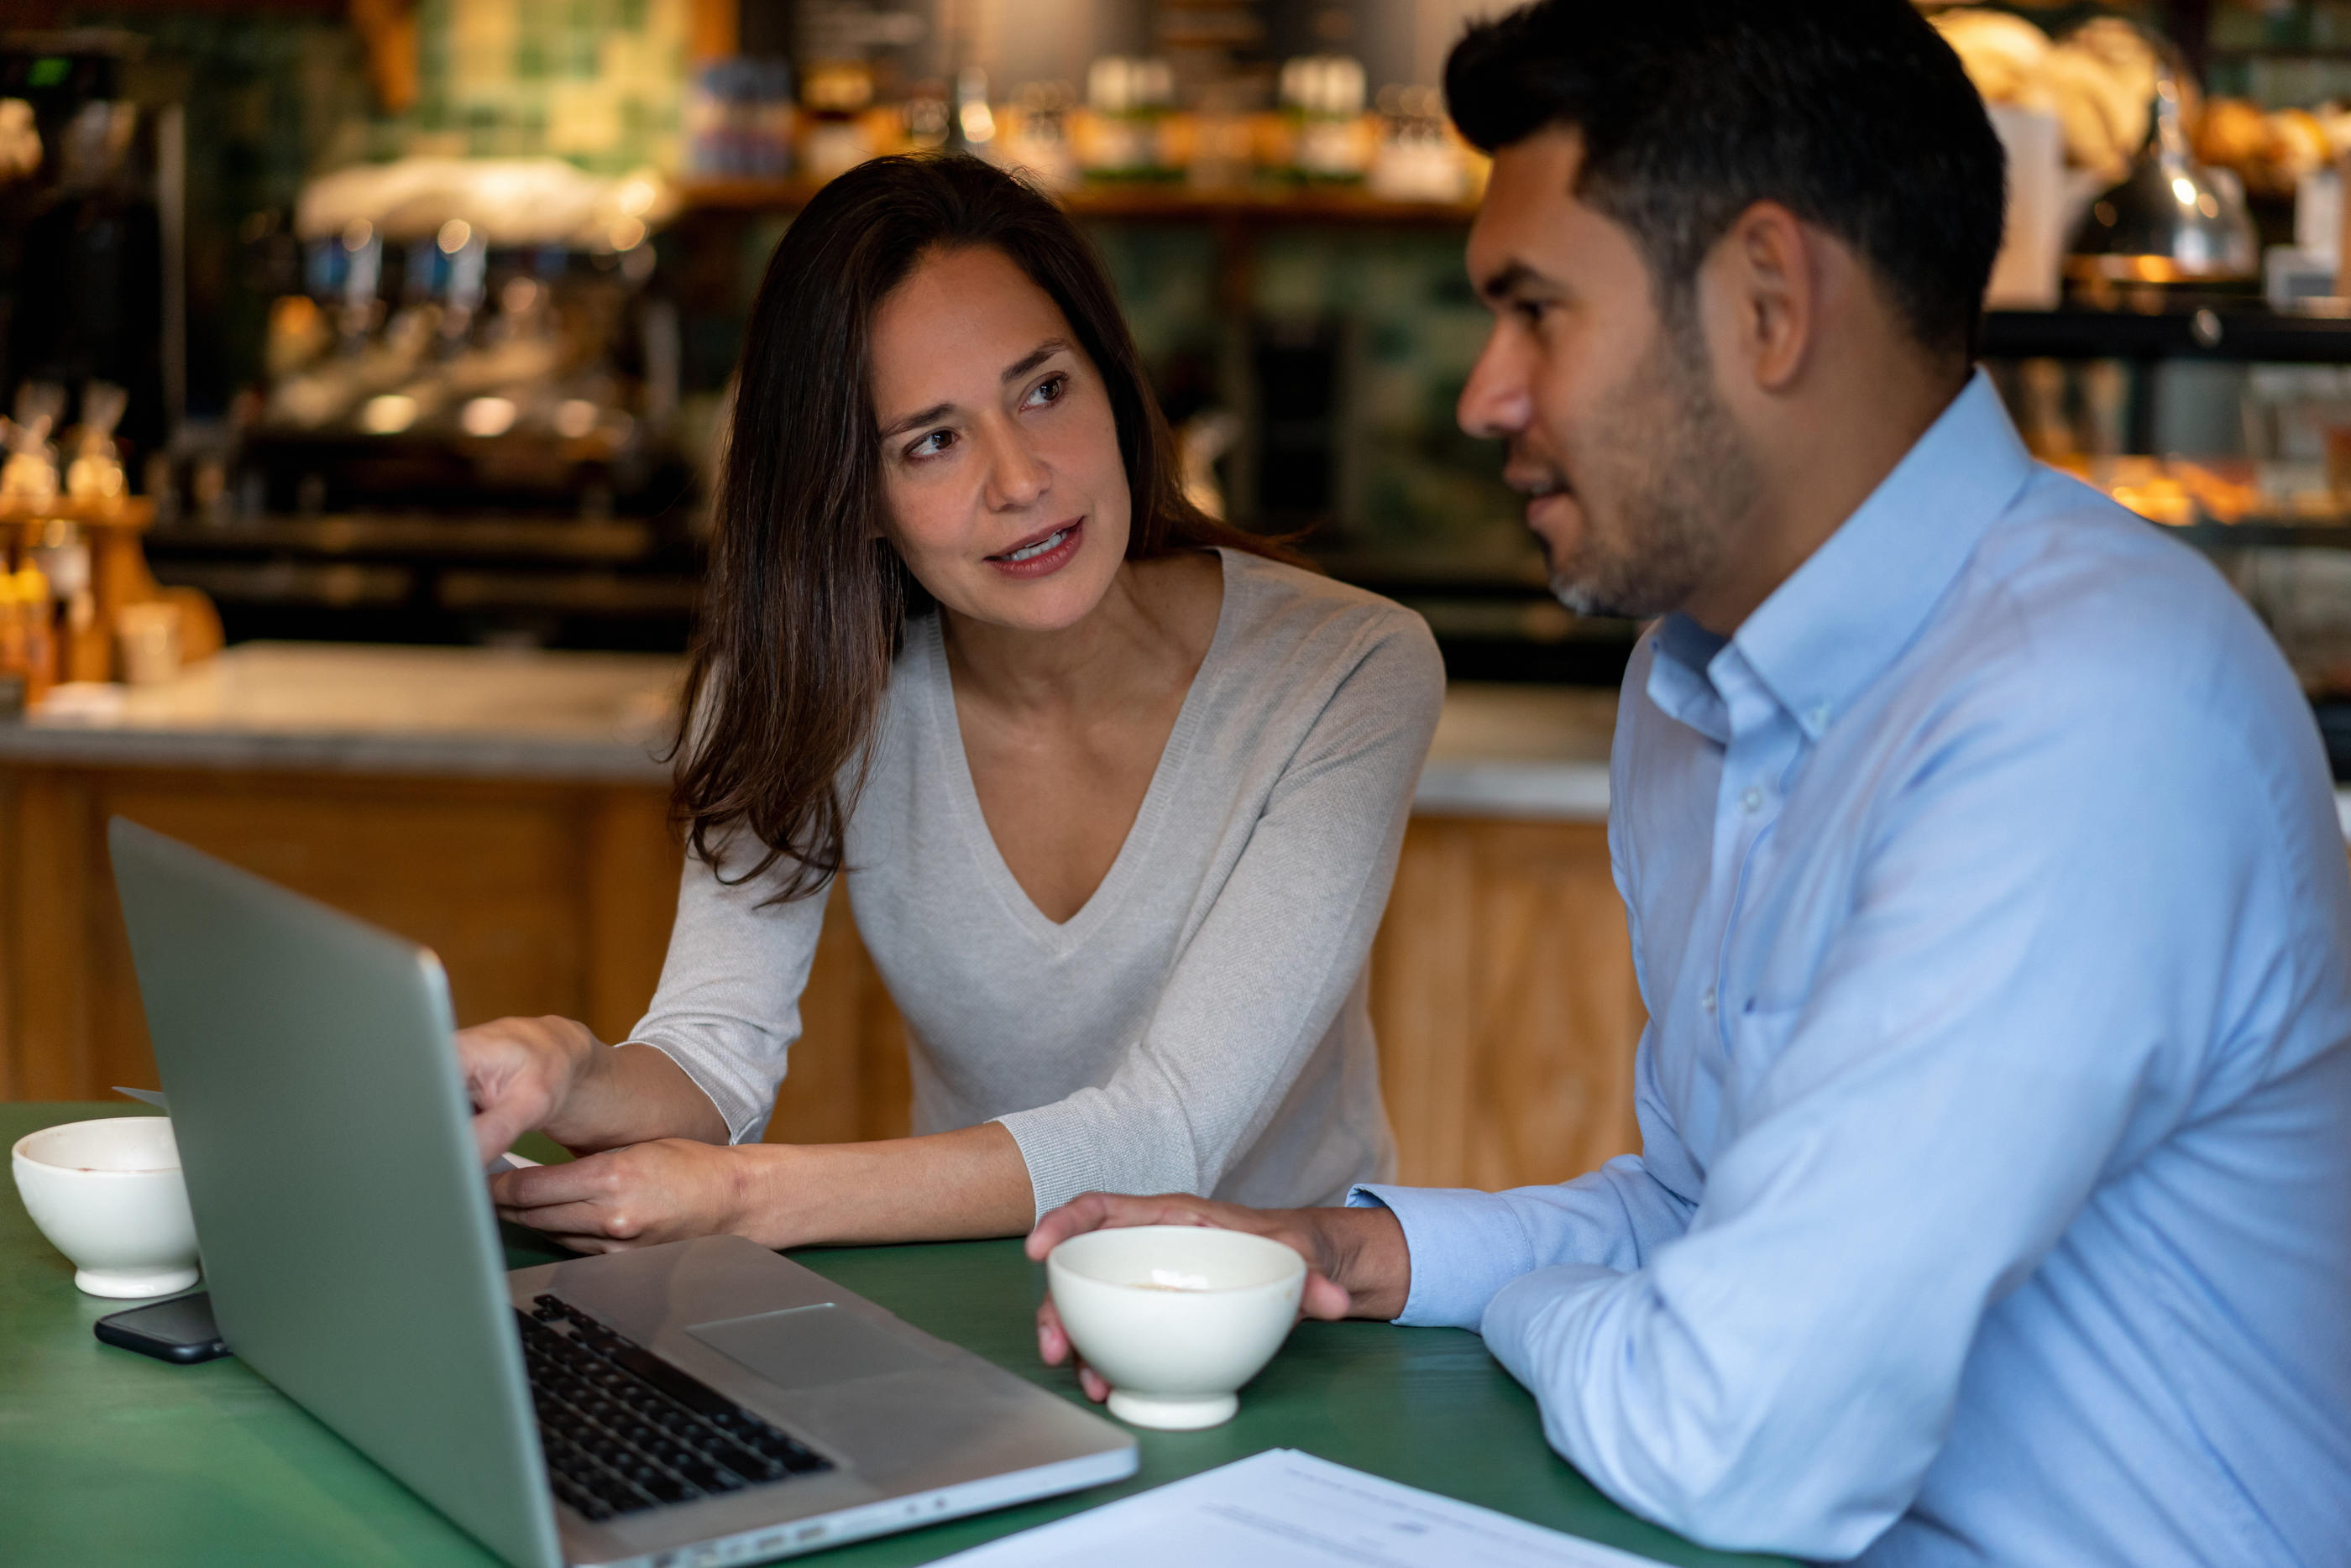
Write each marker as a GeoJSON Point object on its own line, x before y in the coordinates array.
{"type": "Point", "coordinates": [640, 1196]}
{"type": "Point", "coordinates": [519, 1072]}
{"type": "Point", "coordinates": [1356, 1262]}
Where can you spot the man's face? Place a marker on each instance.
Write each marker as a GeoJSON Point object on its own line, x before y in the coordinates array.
{"type": "Point", "coordinates": [1636, 474]}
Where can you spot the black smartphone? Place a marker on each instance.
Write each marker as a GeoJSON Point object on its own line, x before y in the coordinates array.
{"type": "Point", "coordinates": [180, 1329]}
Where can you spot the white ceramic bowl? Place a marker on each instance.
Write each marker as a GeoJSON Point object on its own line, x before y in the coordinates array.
{"type": "Point", "coordinates": [1175, 1317]}
{"type": "Point", "coordinates": [107, 1194]}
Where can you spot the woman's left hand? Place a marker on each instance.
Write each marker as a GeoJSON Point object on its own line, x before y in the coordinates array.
{"type": "Point", "coordinates": [638, 1195]}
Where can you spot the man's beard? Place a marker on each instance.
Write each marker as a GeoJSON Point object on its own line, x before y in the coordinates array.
{"type": "Point", "coordinates": [1662, 477]}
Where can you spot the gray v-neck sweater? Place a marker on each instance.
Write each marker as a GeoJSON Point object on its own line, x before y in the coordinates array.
{"type": "Point", "coordinates": [1200, 1026]}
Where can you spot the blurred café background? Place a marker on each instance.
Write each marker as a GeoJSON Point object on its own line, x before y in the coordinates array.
{"type": "Point", "coordinates": [363, 360]}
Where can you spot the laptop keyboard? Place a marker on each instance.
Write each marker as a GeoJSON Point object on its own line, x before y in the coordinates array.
{"type": "Point", "coordinates": [624, 1430]}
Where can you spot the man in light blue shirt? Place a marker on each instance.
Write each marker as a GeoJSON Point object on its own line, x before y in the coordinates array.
{"type": "Point", "coordinates": [1986, 888]}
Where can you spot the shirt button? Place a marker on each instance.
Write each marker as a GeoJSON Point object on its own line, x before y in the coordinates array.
{"type": "Point", "coordinates": [1708, 1002]}
{"type": "Point", "coordinates": [1753, 799]}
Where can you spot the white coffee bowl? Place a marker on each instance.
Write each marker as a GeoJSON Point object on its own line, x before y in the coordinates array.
{"type": "Point", "coordinates": [107, 1194]}
{"type": "Point", "coordinates": [1175, 1317]}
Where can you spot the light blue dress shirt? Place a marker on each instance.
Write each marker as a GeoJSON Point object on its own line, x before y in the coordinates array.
{"type": "Point", "coordinates": [1994, 1202]}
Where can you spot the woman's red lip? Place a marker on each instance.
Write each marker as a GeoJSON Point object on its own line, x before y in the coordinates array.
{"type": "Point", "coordinates": [1053, 560]}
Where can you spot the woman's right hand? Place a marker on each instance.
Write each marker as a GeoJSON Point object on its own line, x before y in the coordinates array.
{"type": "Point", "coordinates": [520, 1073]}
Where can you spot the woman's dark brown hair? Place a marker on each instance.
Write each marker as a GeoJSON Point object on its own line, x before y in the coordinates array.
{"type": "Point", "coordinates": [806, 604]}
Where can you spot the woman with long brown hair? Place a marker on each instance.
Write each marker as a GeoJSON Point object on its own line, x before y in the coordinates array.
{"type": "Point", "coordinates": [1116, 790]}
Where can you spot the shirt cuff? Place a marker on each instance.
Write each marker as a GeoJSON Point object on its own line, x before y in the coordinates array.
{"type": "Point", "coordinates": [1464, 1245]}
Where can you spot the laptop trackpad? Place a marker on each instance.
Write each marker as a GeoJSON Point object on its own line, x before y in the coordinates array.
{"type": "Point", "coordinates": [810, 1347]}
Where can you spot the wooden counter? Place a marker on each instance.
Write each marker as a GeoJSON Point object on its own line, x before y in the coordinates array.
{"type": "Point", "coordinates": [509, 810]}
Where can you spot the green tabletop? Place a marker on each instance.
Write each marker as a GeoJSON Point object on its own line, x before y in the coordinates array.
{"type": "Point", "coordinates": [114, 1457]}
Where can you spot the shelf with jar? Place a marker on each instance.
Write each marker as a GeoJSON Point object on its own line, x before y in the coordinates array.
{"type": "Point", "coordinates": [1123, 148]}
{"type": "Point", "coordinates": [1141, 201]}
{"type": "Point", "coordinates": [2188, 327]}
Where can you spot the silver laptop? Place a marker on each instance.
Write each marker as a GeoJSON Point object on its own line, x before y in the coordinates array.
{"type": "Point", "coordinates": [703, 1402]}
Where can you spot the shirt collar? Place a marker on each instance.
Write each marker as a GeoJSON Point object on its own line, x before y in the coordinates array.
{"type": "Point", "coordinates": [1847, 613]}
{"type": "Point", "coordinates": [1680, 682]}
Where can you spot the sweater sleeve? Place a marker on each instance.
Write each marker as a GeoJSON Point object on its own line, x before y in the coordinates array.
{"type": "Point", "coordinates": [727, 1010]}
{"type": "Point", "coordinates": [1263, 980]}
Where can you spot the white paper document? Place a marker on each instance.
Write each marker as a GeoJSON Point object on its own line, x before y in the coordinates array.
{"type": "Point", "coordinates": [1283, 1508]}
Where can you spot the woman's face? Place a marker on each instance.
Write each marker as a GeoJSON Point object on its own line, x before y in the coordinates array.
{"type": "Point", "coordinates": [1003, 488]}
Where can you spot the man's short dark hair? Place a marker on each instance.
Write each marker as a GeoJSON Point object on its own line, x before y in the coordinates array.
{"type": "Point", "coordinates": [1852, 114]}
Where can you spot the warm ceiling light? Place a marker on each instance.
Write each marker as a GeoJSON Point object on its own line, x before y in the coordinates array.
{"type": "Point", "coordinates": [486, 417]}
{"type": "Point", "coordinates": [574, 418]}
{"type": "Point", "coordinates": [387, 415]}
